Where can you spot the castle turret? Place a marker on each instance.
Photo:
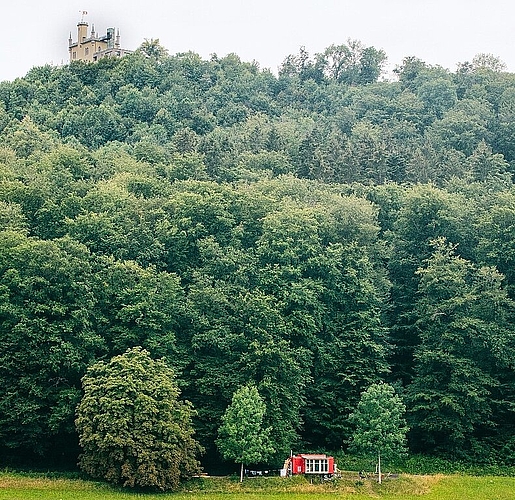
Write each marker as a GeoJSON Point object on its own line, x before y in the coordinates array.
{"type": "Point", "coordinates": [82, 31]}
{"type": "Point", "coordinates": [110, 38]}
{"type": "Point", "coordinates": [93, 47]}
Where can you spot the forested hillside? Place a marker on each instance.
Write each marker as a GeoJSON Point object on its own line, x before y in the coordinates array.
{"type": "Point", "coordinates": [313, 232]}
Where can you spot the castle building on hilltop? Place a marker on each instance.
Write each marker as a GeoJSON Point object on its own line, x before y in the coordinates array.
{"type": "Point", "coordinates": [94, 47]}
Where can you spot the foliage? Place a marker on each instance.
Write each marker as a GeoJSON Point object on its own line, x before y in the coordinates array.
{"type": "Point", "coordinates": [277, 231]}
{"type": "Point", "coordinates": [380, 427]}
{"type": "Point", "coordinates": [133, 430]}
{"type": "Point", "coordinates": [463, 316]}
{"type": "Point", "coordinates": [48, 339]}
{"type": "Point", "coordinates": [242, 437]}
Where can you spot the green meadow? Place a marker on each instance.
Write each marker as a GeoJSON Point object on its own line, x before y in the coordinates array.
{"type": "Point", "coordinates": [15, 486]}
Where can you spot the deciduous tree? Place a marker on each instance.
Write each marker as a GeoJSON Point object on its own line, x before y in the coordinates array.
{"type": "Point", "coordinates": [133, 429]}
{"type": "Point", "coordinates": [380, 425]}
{"type": "Point", "coordinates": [241, 436]}
{"type": "Point", "coordinates": [466, 344]}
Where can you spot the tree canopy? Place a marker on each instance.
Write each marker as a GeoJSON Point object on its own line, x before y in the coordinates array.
{"type": "Point", "coordinates": [309, 233]}
{"type": "Point", "coordinates": [132, 428]}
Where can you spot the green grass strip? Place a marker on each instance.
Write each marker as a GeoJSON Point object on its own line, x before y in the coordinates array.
{"type": "Point", "coordinates": [15, 486]}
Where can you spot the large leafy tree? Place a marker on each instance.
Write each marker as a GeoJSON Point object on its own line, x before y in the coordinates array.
{"type": "Point", "coordinates": [425, 214]}
{"type": "Point", "coordinates": [380, 427]}
{"type": "Point", "coordinates": [242, 436]}
{"type": "Point", "coordinates": [133, 429]}
{"type": "Point", "coordinates": [315, 264]}
{"type": "Point", "coordinates": [351, 349]}
{"type": "Point", "coordinates": [497, 236]}
{"type": "Point", "coordinates": [465, 352]}
{"type": "Point", "coordinates": [240, 337]}
{"type": "Point", "coordinates": [139, 306]}
{"type": "Point", "coordinates": [47, 340]}
{"type": "Point", "coordinates": [352, 63]}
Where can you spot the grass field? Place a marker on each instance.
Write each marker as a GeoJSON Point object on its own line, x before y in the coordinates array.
{"type": "Point", "coordinates": [436, 487]}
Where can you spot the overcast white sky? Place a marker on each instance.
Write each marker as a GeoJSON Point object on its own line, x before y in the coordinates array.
{"type": "Point", "coordinates": [444, 32]}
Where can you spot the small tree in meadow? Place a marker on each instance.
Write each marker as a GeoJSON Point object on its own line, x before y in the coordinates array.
{"type": "Point", "coordinates": [380, 427]}
{"type": "Point", "coordinates": [242, 437]}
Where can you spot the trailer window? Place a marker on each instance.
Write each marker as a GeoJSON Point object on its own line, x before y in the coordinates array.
{"type": "Point", "coordinates": [317, 466]}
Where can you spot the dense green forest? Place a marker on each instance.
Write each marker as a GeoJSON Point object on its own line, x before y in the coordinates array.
{"type": "Point", "coordinates": [313, 232]}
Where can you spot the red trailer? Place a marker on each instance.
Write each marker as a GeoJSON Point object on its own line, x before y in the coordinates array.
{"type": "Point", "coordinates": [313, 464]}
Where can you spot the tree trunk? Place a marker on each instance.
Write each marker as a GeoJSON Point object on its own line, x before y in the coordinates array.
{"type": "Point", "coordinates": [379, 467]}
{"type": "Point", "coordinates": [241, 473]}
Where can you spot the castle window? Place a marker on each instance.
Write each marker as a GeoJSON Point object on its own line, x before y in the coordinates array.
{"type": "Point", "coordinates": [86, 51]}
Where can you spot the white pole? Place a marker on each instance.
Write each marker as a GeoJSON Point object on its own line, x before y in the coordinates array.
{"type": "Point", "coordinates": [379, 467]}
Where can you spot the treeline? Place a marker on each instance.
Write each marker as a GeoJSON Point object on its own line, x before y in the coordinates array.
{"type": "Point", "coordinates": [313, 232]}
